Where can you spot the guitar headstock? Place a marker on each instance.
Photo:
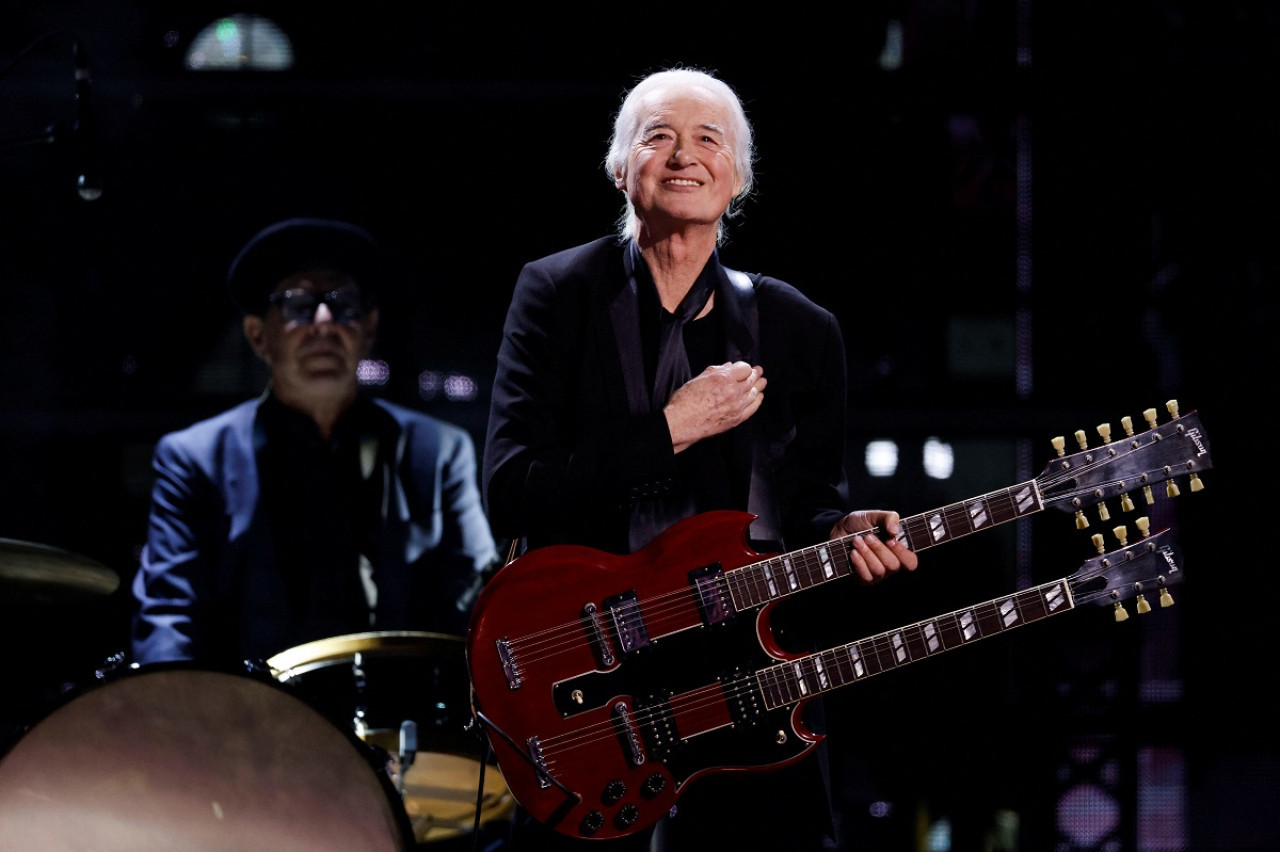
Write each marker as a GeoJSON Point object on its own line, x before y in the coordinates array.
{"type": "Point", "coordinates": [1147, 567]}
{"type": "Point", "coordinates": [1122, 470]}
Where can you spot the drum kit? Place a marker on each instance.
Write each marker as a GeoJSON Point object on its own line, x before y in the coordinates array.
{"type": "Point", "coordinates": [354, 742]}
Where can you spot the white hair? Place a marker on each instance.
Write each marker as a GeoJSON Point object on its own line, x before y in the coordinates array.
{"type": "Point", "coordinates": [627, 128]}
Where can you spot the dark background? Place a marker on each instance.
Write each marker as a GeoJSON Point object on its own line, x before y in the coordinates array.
{"type": "Point", "coordinates": [1047, 217]}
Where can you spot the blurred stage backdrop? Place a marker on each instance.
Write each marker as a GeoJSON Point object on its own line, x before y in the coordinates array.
{"type": "Point", "coordinates": [1031, 218]}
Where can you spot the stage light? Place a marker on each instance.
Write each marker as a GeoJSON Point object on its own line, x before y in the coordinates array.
{"type": "Point", "coordinates": [240, 43]}
{"type": "Point", "coordinates": [881, 458]}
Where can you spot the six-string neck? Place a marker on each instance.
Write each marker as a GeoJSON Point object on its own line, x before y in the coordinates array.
{"type": "Point", "coordinates": [787, 683]}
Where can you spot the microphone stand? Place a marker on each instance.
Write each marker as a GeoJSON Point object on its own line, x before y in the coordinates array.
{"type": "Point", "coordinates": [54, 133]}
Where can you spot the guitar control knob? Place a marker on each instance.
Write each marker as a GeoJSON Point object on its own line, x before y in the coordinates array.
{"type": "Point", "coordinates": [653, 785]}
{"type": "Point", "coordinates": [613, 792]}
{"type": "Point", "coordinates": [591, 823]}
{"type": "Point", "coordinates": [626, 816]}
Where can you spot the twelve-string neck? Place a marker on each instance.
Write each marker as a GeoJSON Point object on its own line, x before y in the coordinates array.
{"type": "Point", "coordinates": [779, 576]}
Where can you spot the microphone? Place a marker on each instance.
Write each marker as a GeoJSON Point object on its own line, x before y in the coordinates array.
{"type": "Point", "coordinates": [87, 182]}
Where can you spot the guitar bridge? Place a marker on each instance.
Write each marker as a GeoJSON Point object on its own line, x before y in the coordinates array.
{"type": "Point", "coordinates": [625, 725]}
{"type": "Point", "coordinates": [596, 638]}
{"type": "Point", "coordinates": [539, 761]}
{"type": "Point", "coordinates": [509, 666]}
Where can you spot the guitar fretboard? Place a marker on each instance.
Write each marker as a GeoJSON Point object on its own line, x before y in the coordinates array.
{"type": "Point", "coordinates": [774, 578]}
{"type": "Point", "coordinates": [787, 683]}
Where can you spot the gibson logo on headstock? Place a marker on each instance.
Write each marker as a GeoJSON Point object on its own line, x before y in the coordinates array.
{"type": "Point", "coordinates": [1194, 435]}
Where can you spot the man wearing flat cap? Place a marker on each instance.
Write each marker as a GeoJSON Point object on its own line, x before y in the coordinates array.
{"type": "Point", "coordinates": [314, 510]}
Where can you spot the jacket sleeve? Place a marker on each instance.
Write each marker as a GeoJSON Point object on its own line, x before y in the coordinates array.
{"type": "Point", "coordinates": [812, 475]}
{"type": "Point", "coordinates": [466, 549]}
{"type": "Point", "coordinates": [185, 534]}
{"type": "Point", "coordinates": [562, 457]}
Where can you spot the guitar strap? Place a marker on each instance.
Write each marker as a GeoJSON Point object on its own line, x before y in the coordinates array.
{"type": "Point", "coordinates": [767, 527]}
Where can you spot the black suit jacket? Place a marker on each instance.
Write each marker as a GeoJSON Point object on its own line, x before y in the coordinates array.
{"type": "Point", "coordinates": [571, 445]}
{"type": "Point", "coordinates": [209, 589]}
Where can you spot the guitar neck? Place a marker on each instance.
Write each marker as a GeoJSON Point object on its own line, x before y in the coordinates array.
{"type": "Point", "coordinates": [779, 576]}
{"type": "Point", "coordinates": [833, 668]}
{"type": "Point", "coordinates": [1149, 566]}
{"type": "Point", "coordinates": [1090, 477]}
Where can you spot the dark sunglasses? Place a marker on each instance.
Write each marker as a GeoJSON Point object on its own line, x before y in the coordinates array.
{"type": "Point", "coordinates": [346, 305]}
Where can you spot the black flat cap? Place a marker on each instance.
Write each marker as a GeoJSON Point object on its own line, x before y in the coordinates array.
{"type": "Point", "coordinates": [297, 245]}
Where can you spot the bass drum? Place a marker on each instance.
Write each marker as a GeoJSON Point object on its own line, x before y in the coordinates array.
{"type": "Point", "coordinates": [408, 693]}
{"type": "Point", "coordinates": [165, 758]}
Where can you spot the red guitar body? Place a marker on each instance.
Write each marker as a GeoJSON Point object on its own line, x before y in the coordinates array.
{"type": "Point", "coordinates": [609, 683]}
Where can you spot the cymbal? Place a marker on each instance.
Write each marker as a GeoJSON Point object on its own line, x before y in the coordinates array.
{"type": "Point", "coordinates": [38, 573]}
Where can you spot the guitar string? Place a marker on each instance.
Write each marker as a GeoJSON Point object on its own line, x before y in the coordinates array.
{"type": "Point", "coordinates": [953, 511]}
{"type": "Point", "coordinates": [536, 647]}
{"type": "Point", "coordinates": [706, 708]}
{"type": "Point", "coordinates": [709, 704]}
{"type": "Point", "coordinates": [957, 520]}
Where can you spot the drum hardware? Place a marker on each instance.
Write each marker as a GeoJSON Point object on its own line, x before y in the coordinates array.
{"type": "Point", "coordinates": [407, 693]}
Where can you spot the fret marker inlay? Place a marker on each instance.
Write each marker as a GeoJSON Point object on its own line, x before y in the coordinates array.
{"type": "Point", "coordinates": [932, 641]}
{"type": "Point", "coordinates": [769, 581]}
{"type": "Point", "coordinates": [1008, 612]}
{"type": "Point", "coordinates": [1026, 500]}
{"type": "Point", "coordinates": [803, 684]}
{"type": "Point", "coordinates": [937, 528]}
{"type": "Point", "coordinates": [855, 660]}
{"type": "Point", "coordinates": [789, 569]}
{"type": "Point", "coordinates": [899, 648]}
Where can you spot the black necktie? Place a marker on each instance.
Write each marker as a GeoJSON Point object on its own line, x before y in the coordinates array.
{"type": "Point", "coordinates": [651, 516]}
{"type": "Point", "coordinates": [673, 361]}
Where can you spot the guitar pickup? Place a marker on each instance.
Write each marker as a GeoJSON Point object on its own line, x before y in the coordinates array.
{"type": "Point", "coordinates": [659, 727]}
{"type": "Point", "coordinates": [627, 621]}
{"type": "Point", "coordinates": [714, 603]}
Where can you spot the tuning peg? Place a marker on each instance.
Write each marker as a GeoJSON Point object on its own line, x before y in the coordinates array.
{"type": "Point", "coordinates": [1104, 514]}
{"type": "Point", "coordinates": [1099, 542]}
{"type": "Point", "coordinates": [1082, 523]}
{"type": "Point", "coordinates": [1121, 613]}
{"type": "Point", "coordinates": [1166, 599]}
{"type": "Point", "coordinates": [1148, 496]}
{"type": "Point", "coordinates": [1126, 502]}
{"type": "Point", "coordinates": [1171, 488]}
{"type": "Point", "coordinates": [1196, 484]}
{"type": "Point", "coordinates": [1104, 429]}
{"type": "Point", "coordinates": [1082, 439]}
{"type": "Point", "coordinates": [1172, 405]}
{"type": "Point", "coordinates": [1142, 606]}
{"type": "Point", "coordinates": [1150, 416]}
{"type": "Point", "coordinates": [1122, 533]}
{"type": "Point", "coordinates": [1058, 443]}
{"type": "Point", "coordinates": [1144, 526]}
{"type": "Point", "coordinates": [1127, 423]}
